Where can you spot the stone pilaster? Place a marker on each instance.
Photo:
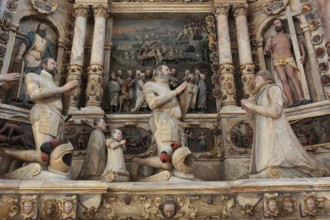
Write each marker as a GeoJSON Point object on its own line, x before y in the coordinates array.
{"type": "Point", "coordinates": [244, 49]}
{"type": "Point", "coordinates": [94, 89]}
{"type": "Point", "coordinates": [226, 70]}
{"type": "Point", "coordinates": [75, 69]}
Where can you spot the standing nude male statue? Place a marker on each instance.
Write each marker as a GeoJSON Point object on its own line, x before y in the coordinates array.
{"type": "Point", "coordinates": [279, 46]}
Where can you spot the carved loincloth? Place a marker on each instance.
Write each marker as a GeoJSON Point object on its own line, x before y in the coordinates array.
{"type": "Point", "coordinates": [284, 61]}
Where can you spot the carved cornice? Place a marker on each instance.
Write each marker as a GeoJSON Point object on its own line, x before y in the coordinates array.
{"type": "Point", "coordinates": [221, 9]}
{"type": "Point", "coordinates": [240, 9]}
{"type": "Point", "coordinates": [81, 10]}
{"type": "Point", "coordinates": [101, 10]}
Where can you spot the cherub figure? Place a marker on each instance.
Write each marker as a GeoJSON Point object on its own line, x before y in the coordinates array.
{"type": "Point", "coordinates": [169, 208]}
{"type": "Point", "coordinates": [270, 205]}
{"type": "Point", "coordinates": [69, 208]}
{"type": "Point", "coordinates": [29, 209]}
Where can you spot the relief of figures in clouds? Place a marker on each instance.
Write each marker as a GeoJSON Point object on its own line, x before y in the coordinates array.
{"type": "Point", "coordinates": [181, 44]}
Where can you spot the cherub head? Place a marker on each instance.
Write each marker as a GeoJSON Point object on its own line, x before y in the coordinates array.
{"type": "Point", "coordinates": [169, 208]}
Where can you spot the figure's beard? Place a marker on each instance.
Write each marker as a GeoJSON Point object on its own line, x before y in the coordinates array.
{"type": "Point", "coordinates": [53, 72]}
{"type": "Point", "coordinates": [279, 28]}
{"type": "Point", "coordinates": [164, 77]}
{"type": "Point", "coordinates": [42, 33]}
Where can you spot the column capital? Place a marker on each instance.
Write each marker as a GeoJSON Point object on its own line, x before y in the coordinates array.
{"type": "Point", "coordinates": [101, 10]}
{"type": "Point", "coordinates": [221, 9]}
{"type": "Point", "coordinates": [81, 10]}
{"type": "Point", "coordinates": [240, 9]}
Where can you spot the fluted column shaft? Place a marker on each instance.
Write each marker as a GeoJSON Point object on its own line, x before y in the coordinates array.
{"type": "Point", "coordinates": [247, 67]}
{"type": "Point", "coordinates": [226, 69]}
{"type": "Point", "coordinates": [75, 69]}
{"type": "Point", "coordinates": [94, 89]}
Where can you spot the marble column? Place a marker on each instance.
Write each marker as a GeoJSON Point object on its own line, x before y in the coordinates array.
{"type": "Point", "coordinates": [226, 67]}
{"type": "Point", "coordinates": [244, 49]}
{"type": "Point", "coordinates": [94, 89]}
{"type": "Point", "coordinates": [75, 69]}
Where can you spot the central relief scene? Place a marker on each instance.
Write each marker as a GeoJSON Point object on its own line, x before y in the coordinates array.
{"type": "Point", "coordinates": [140, 45]}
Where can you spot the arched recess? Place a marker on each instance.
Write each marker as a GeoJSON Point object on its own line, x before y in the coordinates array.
{"type": "Point", "coordinates": [53, 24]}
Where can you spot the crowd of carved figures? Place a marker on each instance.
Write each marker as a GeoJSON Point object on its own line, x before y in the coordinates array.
{"type": "Point", "coordinates": [126, 90]}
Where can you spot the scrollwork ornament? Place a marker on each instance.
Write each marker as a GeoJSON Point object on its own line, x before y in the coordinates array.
{"type": "Point", "coordinates": [274, 172]}
{"type": "Point", "coordinates": [240, 10]}
{"type": "Point", "coordinates": [8, 207]}
{"type": "Point", "coordinates": [81, 10]}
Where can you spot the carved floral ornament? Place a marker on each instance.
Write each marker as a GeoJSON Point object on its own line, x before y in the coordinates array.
{"type": "Point", "coordinates": [101, 10]}
{"type": "Point", "coordinates": [240, 10]}
{"type": "Point", "coordinates": [221, 9]}
{"type": "Point", "coordinates": [81, 10]}
{"type": "Point", "coordinates": [44, 6]}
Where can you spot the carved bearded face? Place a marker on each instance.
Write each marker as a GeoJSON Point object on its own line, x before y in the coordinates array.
{"type": "Point", "coordinates": [41, 30]}
{"type": "Point", "coordinates": [288, 207]}
{"type": "Point", "coordinates": [51, 67]}
{"type": "Point", "coordinates": [278, 25]}
{"type": "Point", "coordinates": [101, 123]}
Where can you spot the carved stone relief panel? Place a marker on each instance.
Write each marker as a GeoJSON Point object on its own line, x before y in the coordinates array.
{"type": "Point", "coordinates": [180, 42]}
{"type": "Point", "coordinates": [16, 134]}
{"type": "Point", "coordinates": [313, 131]}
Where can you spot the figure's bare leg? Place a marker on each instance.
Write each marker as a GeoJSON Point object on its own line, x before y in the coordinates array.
{"type": "Point", "coordinates": [286, 87]}
{"type": "Point", "coordinates": [292, 75]}
{"type": "Point", "coordinates": [153, 162]}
